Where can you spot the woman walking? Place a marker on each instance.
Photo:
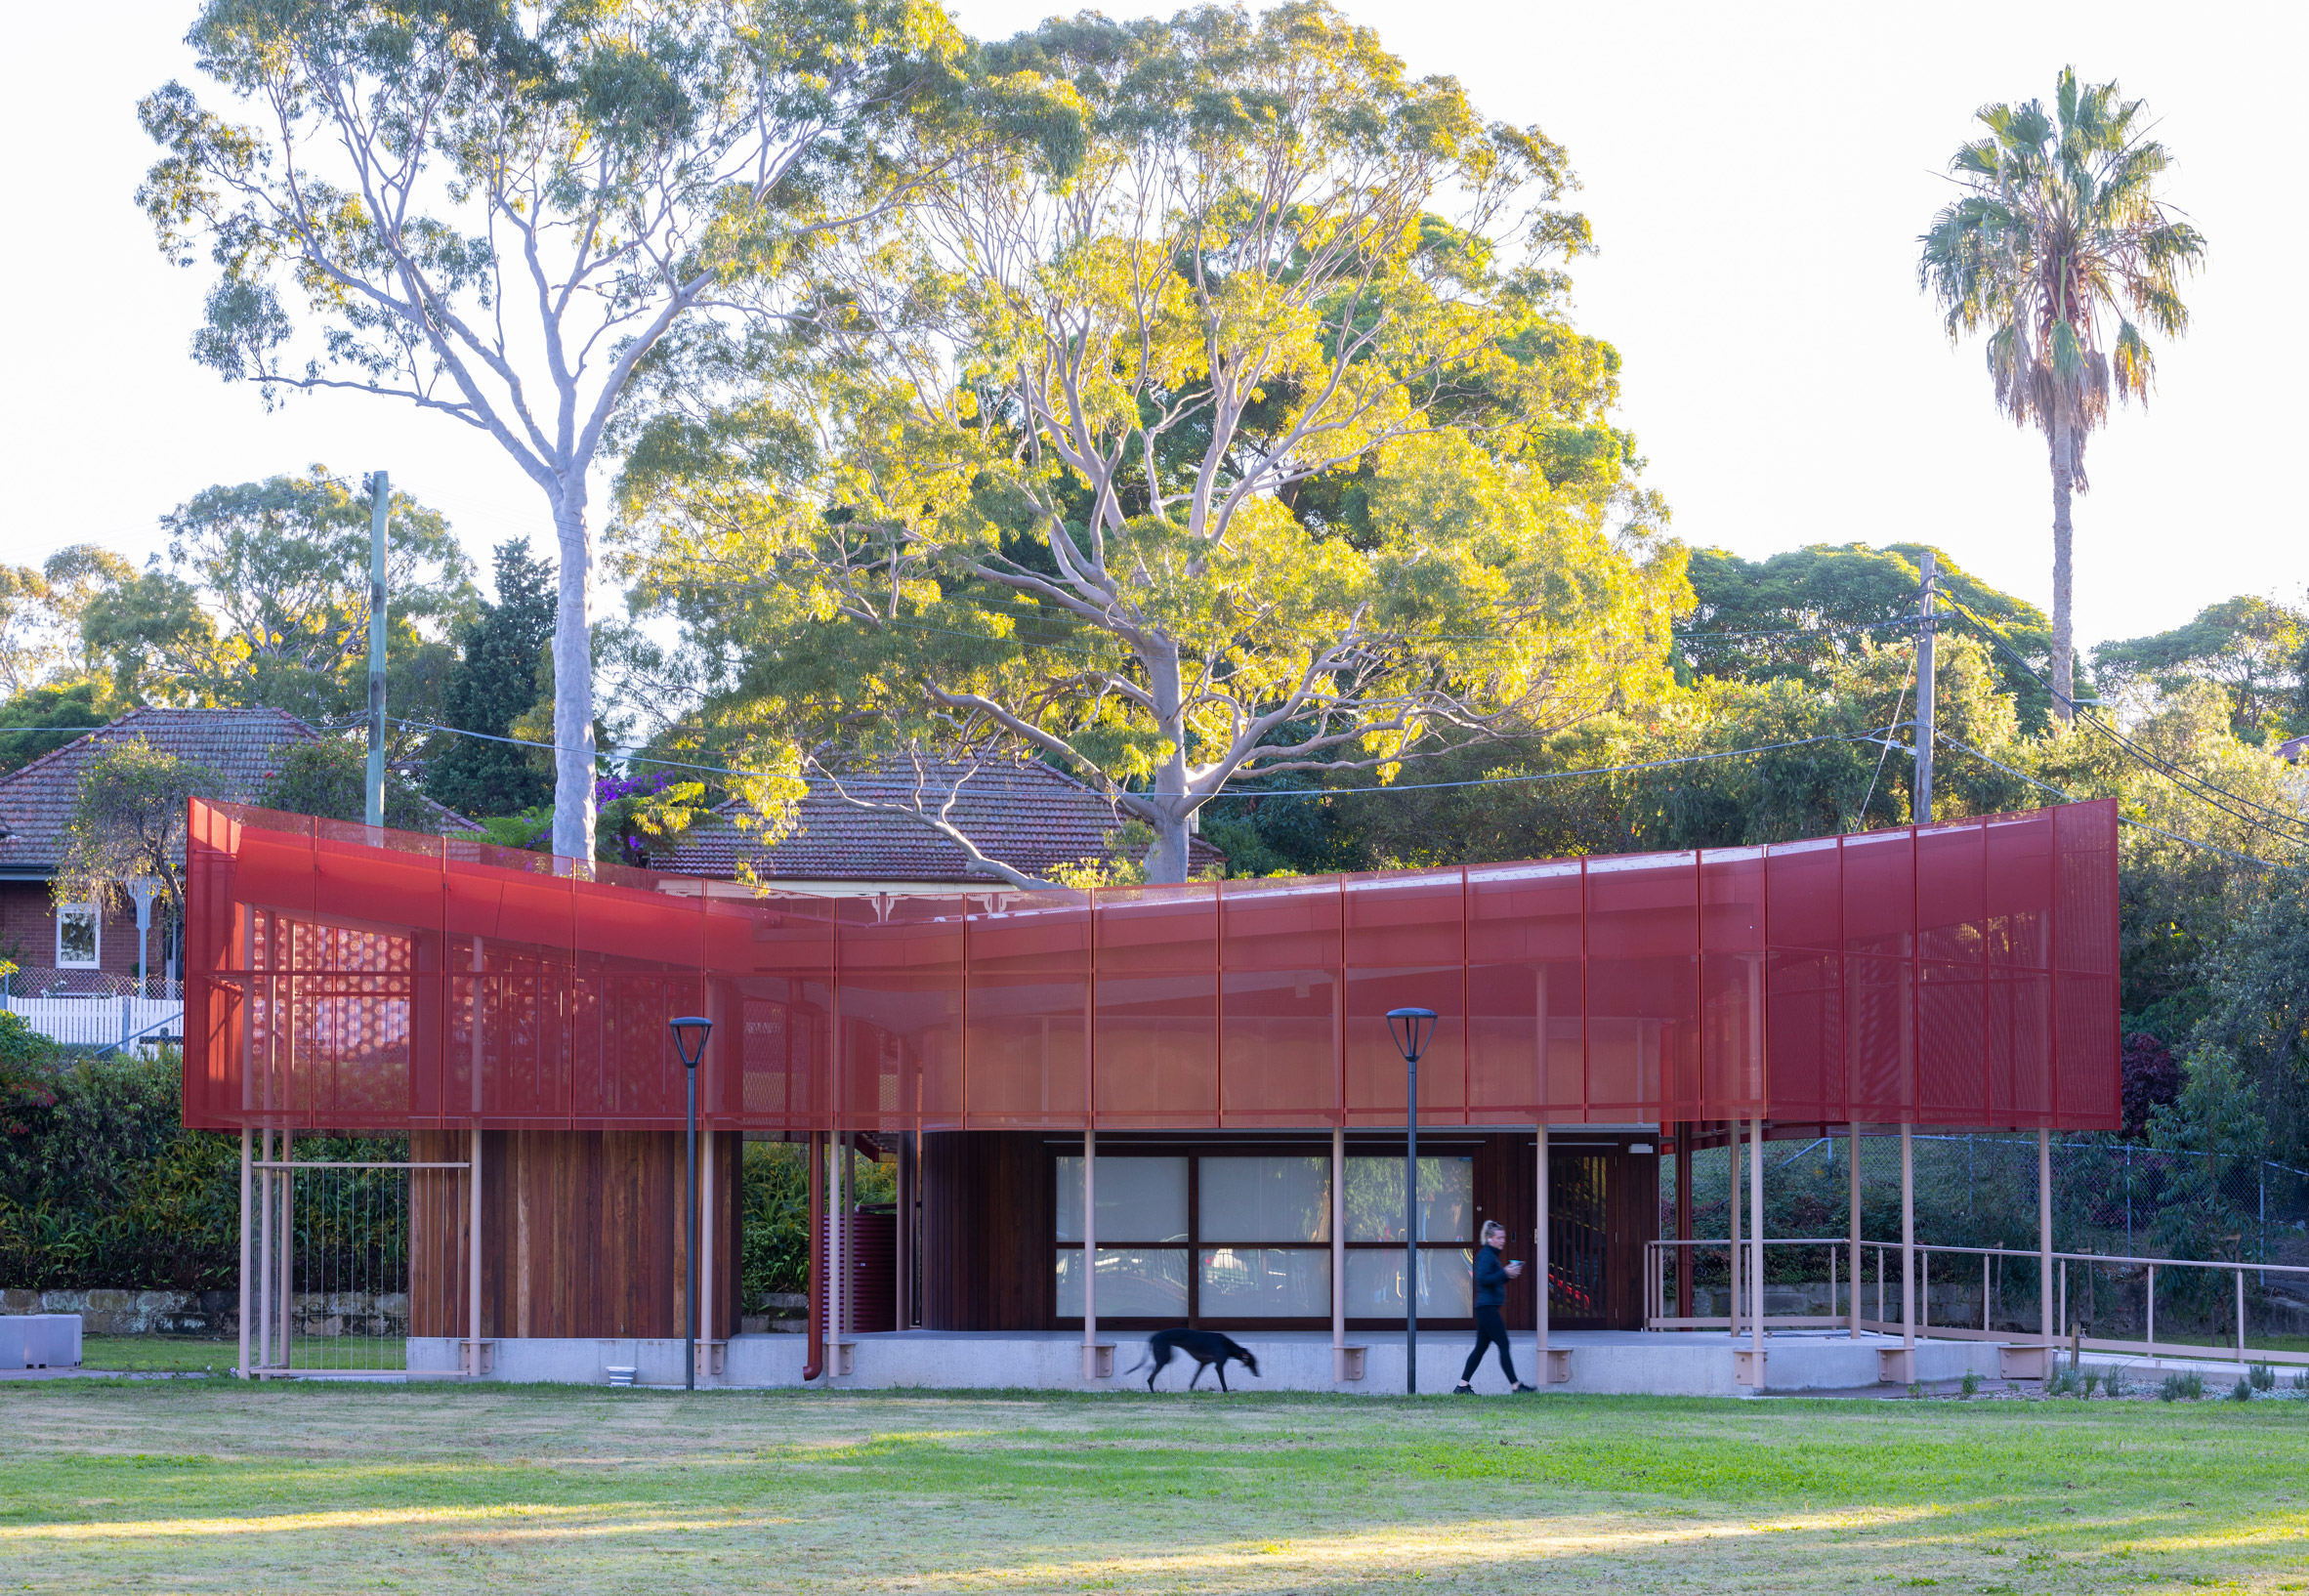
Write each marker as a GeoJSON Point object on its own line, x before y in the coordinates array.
{"type": "Point", "coordinates": [1491, 1294]}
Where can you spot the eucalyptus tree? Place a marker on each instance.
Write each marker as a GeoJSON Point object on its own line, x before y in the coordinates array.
{"type": "Point", "coordinates": [2058, 243]}
{"type": "Point", "coordinates": [495, 210]}
{"type": "Point", "coordinates": [262, 597]}
{"type": "Point", "coordinates": [30, 646]}
{"type": "Point", "coordinates": [1216, 413]}
{"type": "Point", "coordinates": [2253, 649]}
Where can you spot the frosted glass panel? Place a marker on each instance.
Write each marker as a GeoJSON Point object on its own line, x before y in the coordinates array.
{"type": "Point", "coordinates": [1134, 1283]}
{"type": "Point", "coordinates": [1447, 1282]}
{"type": "Point", "coordinates": [1140, 1199]}
{"type": "Point", "coordinates": [1265, 1283]}
{"type": "Point", "coordinates": [1266, 1199]}
{"type": "Point", "coordinates": [1374, 1199]}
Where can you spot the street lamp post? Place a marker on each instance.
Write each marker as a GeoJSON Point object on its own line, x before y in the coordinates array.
{"type": "Point", "coordinates": [1412, 1028]}
{"type": "Point", "coordinates": [690, 1035]}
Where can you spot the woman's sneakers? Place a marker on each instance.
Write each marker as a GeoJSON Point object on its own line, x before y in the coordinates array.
{"type": "Point", "coordinates": [1463, 1389]}
{"type": "Point", "coordinates": [1520, 1389]}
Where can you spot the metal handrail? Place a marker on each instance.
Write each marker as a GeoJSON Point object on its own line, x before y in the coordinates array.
{"type": "Point", "coordinates": [177, 1021]}
{"type": "Point", "coordinates": [1656, 1318]}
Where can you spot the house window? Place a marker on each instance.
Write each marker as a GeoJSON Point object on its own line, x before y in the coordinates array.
{"type": "Point", "coordinates": [79, 937]}
{"type": "Point", "coordinates": [1257, 1230]}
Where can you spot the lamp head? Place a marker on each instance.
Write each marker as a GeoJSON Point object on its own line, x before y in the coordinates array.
{"type": "Point", "coordinates": [1412, 1028]}
{"type": "Point", "coordinates": [690, 1035]}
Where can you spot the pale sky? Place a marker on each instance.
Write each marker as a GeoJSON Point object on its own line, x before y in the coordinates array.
{"type": "Point", "coordinates": [1757, 176]}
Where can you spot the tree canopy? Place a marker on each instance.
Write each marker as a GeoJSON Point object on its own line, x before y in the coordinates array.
{"type": "Point", "coordinates": [1232, 424]}
{"type": "Point", "coordinates": [328, 777]}
{"type": "Point", "coordinates": [494, 681]}
{"type": "Point", "coordinates": [1798, 613]}
{"type": "Point", "coordinates": [495, 211]}
{"type": "Point", "coordinates": [264, 600]}
{"type": "Point", "coordinates": [128, 822]}
{"type": "Point", "coordinates": [2253, 649]}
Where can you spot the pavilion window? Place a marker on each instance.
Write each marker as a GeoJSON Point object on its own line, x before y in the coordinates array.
{"type": "Point", "coordinates": [1140, 1237]}
{"type": "Point", "coordinates": [1374, 1238]}
{"type": "Point", "coordinates": [1263, 1233]}
{"type": "Point", "coordinates": [1235, 1237]}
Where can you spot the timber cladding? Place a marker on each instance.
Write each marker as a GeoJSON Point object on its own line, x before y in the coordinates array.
{"type": "Point", "coordinates": [987, 1219]}
{"type": "Point", "coordinates": [581, 1234]}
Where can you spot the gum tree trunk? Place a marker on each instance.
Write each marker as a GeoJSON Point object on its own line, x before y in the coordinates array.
{"type": "Point", "coordinates": [572, 677]}
{"type": "Point", "coordinates": [1166, 860]}
{"type": "Point", "coordinates": [2064, 643]}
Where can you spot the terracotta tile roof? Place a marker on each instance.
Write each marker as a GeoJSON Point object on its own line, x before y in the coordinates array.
{"type": "Point", "coordinates": [1028, 815]}
{"type": "Point", "coordinates": [244, 746]}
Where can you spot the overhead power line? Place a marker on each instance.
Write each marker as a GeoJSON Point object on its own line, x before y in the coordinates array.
{"type": "Point", "coordinates": [2207, 792]}
{"type": "Point", "coordinates": [2124, 818]}
{"type": "Point", "coordinates": [1873, 737]}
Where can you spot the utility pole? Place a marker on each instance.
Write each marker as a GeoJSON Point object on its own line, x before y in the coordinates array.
{"type": "Point", "coordinates": [380, 511]}
{"type": "Point", "coordinates": [1924, 630]}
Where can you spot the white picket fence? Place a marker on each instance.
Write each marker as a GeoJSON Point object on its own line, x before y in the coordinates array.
{"type": "Point", "coordinates": [103, 1021]}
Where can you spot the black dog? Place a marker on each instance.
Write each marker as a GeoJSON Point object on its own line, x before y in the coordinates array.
{"type": "Point", "coordinates": [1206, 1347]}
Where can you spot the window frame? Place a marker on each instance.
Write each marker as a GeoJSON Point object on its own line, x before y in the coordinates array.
{"type": "Point", "coordinates": [95, 914]}
{"type": "Point", "coordinates": [1196, 1243]}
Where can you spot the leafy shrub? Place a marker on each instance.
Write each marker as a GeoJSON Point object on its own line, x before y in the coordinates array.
{"type": "Point", "coordinates": [2263, 1377]}
{"type": "Point", "coordinates": [2242, 1391]}
{"type": "Point", "coordinates": [2092, 1378]}
{"type": "Point", "coordinates": [2182, 1388]}
{"type": "Point", "coordinates": [330, 779]}
{"type": "Point", "coordinates": [102, 1185]}
{"type": "Point", "coordinates": [774, 1197]}
{"type": "Point", "coordinates": [28, 1061]}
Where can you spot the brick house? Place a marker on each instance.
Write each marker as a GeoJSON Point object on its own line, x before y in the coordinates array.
{"type": "Point", "coordinates": [91, 952]}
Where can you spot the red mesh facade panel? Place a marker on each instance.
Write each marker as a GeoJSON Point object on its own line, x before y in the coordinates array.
{"type": "Point", "coordinates": [1805, 1035]}
{"type": "Point", "coordinates": [1406, 948]}
{"type": "Point", "coordinates": [1154, 1006]}
{"type": "Point", "coordinates": [1027, 1001]}
{"type": "Point", "coordinates": [1525, 989]}
{"type": "Point", "coordinates": [1280, 957]}
{"type": "Point", "coordinates": [339, 977]}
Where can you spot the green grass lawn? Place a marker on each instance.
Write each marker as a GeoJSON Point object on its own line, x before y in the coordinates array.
{"type": "Point", "coordinates": [178, 1354]}
{"type": "Point", "coordinates": [200, 1354]}
{"type": "Point", "coordinates": [214, 1486]}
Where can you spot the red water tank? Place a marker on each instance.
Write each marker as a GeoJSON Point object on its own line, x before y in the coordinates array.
{"type": "Point", "coordinates": [870, 1259]}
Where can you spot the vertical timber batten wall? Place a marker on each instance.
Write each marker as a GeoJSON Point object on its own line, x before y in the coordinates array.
{"type": "Point", "coordinates": [581, 1236]}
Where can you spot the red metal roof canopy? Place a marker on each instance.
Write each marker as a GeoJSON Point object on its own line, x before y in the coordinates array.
{"type": "Point", "coordinates": [347, 977]}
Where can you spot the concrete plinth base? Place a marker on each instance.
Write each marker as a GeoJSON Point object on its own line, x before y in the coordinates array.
{"type": "Point", "coordinates": [1614, 1363]}
{"type": "Point", "coordinates": [571, 1361]}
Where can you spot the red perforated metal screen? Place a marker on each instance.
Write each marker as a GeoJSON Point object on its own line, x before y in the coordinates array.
{"type": "Point", "coordinates": [344, 977]}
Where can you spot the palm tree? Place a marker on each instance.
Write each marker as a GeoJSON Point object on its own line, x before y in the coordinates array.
{"type": "Point", "coordinates": [2060, 232]}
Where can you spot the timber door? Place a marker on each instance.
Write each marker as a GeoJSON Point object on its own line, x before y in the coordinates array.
{"type": "Point", "coordinates": [1579, 1237]}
